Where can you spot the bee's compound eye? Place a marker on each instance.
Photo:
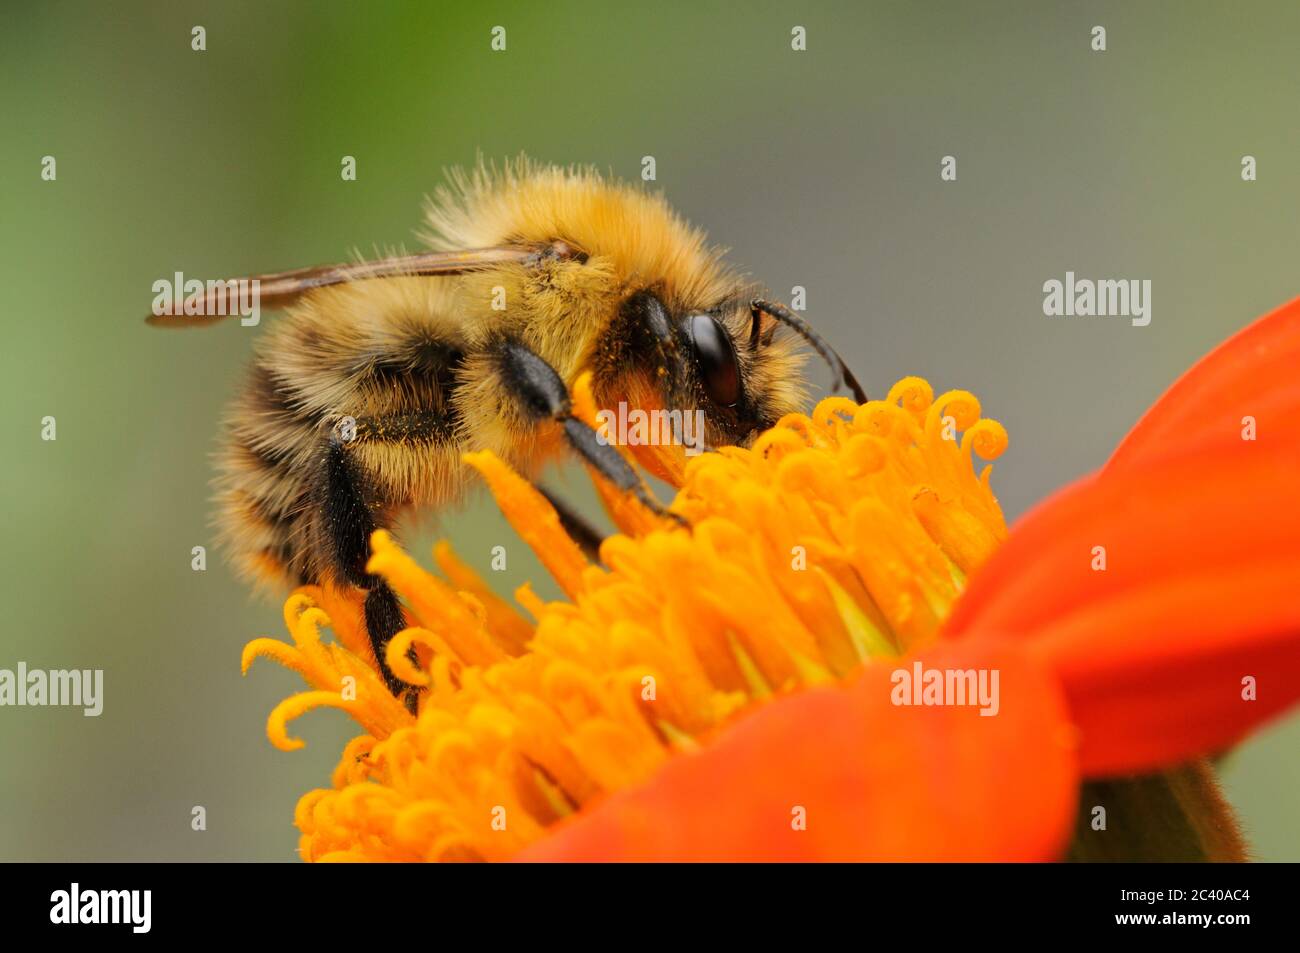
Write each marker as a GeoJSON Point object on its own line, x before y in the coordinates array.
{"type": "Point", "coordinates": [716, 358]}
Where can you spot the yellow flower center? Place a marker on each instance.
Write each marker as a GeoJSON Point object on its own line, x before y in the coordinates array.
{"type": "Point", "coordinates": [834, 539]}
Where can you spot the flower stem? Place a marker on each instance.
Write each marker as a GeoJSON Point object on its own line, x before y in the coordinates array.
{"type": "Point", "coordinates": [1177, 815]}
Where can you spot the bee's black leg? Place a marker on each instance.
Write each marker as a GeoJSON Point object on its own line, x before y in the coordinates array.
{"type": "Point", "coordinates": [579, 528]}
{"type": "Point", "coordinates": [384, 620]}
{"type": "Point", "coordinates": [350, 522]}
{"type": "Point", "coordinates": [543, 396]}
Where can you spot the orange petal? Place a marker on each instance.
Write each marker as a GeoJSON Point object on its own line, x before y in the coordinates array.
{"type": "Point", "coordinates": [872, 780]}
{"type": "Point", "coordinates": [1199, 592]}
{"type": "Point", "coordinates": [1254, 374]}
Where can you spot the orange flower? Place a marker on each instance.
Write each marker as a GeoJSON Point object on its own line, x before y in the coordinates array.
{"type": "Point", "coordinates": [743, 690]}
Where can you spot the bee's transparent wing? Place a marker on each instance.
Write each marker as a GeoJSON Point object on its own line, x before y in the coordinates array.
{"type": "Point", "coordinates": [279, 290]}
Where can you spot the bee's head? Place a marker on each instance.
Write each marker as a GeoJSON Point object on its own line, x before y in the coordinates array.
{"type": "Point", "coordinates": [733, 364]}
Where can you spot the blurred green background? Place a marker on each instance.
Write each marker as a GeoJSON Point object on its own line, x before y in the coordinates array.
{"type": "Point", "coordinates": [817, 169]}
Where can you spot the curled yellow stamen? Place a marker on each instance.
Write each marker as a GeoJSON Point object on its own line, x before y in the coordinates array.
{"type": "Point", "coordinates": [295, 705]}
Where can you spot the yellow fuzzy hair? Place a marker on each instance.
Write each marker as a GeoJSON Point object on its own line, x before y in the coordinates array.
{"type": "Point", "coordinates": [322, 361]}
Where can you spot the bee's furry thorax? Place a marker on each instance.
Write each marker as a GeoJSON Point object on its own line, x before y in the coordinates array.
{"type": "Point", "coordinates": [414, 362]}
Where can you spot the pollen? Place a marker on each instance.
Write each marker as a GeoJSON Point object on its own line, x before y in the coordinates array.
{"type": "Point", "coordinates": [835, 539]}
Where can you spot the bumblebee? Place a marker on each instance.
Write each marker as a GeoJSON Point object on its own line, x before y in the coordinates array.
{"type": "Point", "coordinates": [362, 398]}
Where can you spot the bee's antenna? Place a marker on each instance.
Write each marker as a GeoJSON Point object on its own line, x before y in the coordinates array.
{"type": "Point", "coordinates": [787, 317]}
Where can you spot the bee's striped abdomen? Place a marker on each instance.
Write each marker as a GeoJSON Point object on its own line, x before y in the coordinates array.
{"type": "Point", "coordinates": [378, 412]}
